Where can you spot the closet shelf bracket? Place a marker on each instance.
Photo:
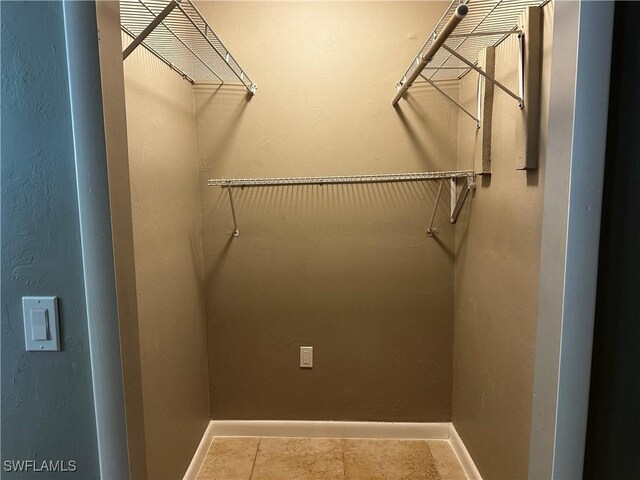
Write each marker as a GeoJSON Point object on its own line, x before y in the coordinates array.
{"type": "Point", "coordinates": [498, 84]}
{"type": "Point", "coordinates": [235, 232]}
{"type": "Point", "coordinates": [430, 230]}
{"type": "Point", "coordinates": [457, 202]}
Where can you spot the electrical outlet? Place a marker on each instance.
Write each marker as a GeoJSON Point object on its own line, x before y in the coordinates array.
{"type": "Point", "coordinates": [306, 357]}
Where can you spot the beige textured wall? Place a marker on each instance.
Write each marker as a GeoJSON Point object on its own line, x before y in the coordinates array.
{"type": "Point", "coordinates": [496, 277]}
{"type": "Point", "coordinates": [346, 269]}
{"type": "Point", "coordinates": [168, 259]}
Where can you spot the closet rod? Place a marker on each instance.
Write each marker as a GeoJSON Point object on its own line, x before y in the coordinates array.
{"type": "Point", "coordinates": [460, 12]}
{"type": "Point", "coordinates": [382, 178]}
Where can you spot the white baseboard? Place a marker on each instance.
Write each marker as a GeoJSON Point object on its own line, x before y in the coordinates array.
{"type": "Point", "coordinates": [463, 455]}
{"type": "Point", "coordinates": [277, 428]}
{"type": "Point", "coordinates": [201, 453]}
{"type": "Point", "coordinates": [285, 428]}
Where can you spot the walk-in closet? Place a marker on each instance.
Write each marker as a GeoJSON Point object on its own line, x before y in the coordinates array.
{"type": "Point", "coordinates": [336, 213]}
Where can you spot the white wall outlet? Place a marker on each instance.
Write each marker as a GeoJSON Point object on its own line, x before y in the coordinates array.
{"type": "Point", "coordinates": [306, 357]}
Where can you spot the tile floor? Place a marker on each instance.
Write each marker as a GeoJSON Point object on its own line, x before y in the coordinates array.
{"type": "Point", "coordinates": [262, 458]}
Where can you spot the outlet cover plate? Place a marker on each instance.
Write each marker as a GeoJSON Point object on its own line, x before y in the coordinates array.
{"type": "Point", "coordinates": [306, 357]}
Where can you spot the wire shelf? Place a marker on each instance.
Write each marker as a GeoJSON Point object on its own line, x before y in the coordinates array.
{"type": "Point", "coordinates": [381, 178]}
{"type": "Point", "coordinates": [184, 40]}
{"type": "Point", "coordinates": [496, 17]}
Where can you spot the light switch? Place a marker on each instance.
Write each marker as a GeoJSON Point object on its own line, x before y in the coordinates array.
{"type": "Point", "coordinates": [39, 324]}
{"type": "Point", "coordinates": [41, 330]}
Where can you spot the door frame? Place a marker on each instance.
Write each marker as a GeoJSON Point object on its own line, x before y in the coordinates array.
{"type": "Point", "coordinates": [569, 253]}
{"type": "Point", "coordinates": [576, 143]}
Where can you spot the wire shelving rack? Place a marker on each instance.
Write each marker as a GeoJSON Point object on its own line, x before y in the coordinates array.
{"type": "Point", "coordinates": [381, 178]}
{"type": "Point", "coordinates": [177, 33]}
{"type": "Point", "coordinates": [483, 24]}
{"type": "Point", "coordinates": [452, 176]}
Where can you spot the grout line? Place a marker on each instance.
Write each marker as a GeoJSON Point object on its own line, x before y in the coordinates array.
{"type": "Point", "coordinates": [344, 462]}
{"type": "Point", "coordinates": [255, 457]}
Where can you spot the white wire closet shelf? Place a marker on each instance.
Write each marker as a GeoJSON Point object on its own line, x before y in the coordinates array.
{"type": "Point", "coordinates": [483, 24]}
{"type": "Point", "coordinates": [452, 176]}
{"type": "Point", "coordinates": [344, 179]}
{"type": "Point", "coordinates": [177, 33]}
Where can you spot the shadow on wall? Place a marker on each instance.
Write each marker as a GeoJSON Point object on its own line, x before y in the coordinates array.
{"type": "Point", "coordinates": [195, 249]}
{"type": "Point", "coordinates": [423, 130]}
{"type": "Point", "coordinates": [462, 227]}
{"type": "Point", "coordinates": [231, 102]}
{"type": "Point", "coordinates": [331, 210]}
{"type": "Point", "coordinates": [148, 63]}
{"type": "Point", "coordinates": [532, 177]}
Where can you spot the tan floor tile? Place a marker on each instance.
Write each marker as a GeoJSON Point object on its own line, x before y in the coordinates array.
{"type": "Point", "coordinates": [446, 460]}
{"type": "Point", "coordinates": [389, 459]}
{"type": "Point", "coordinates": [299, 459]}
{"type": "Point", "coordinates": [229, 458]}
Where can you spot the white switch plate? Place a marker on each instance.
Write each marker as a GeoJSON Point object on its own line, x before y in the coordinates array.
{"type": "Point", "coordinates": [41, 332]}
{"type": "Point", "coordinates": [306, 357]}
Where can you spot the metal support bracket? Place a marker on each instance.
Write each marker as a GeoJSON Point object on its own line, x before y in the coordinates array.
{"type": "Point", "coordinates": [521, 64]}
{"type": "Point", "coordinates": [430, 230]}
{"type": "Point", "coordinates": [485, 75]}
{"type": "Point", "coordinates": [453, 100]}
{"type": "Point", "coordinates": [469, 184]}
{"type": "Point", "coordinates": [149, 28]}
{"type": "Point", "coordinates": [236, 232]}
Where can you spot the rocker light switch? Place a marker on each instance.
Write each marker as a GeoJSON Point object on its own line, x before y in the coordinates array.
{"type": "Point", "coordinates": [41, 333]}
{"type": "Point", "coordinates": [39, 324]}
